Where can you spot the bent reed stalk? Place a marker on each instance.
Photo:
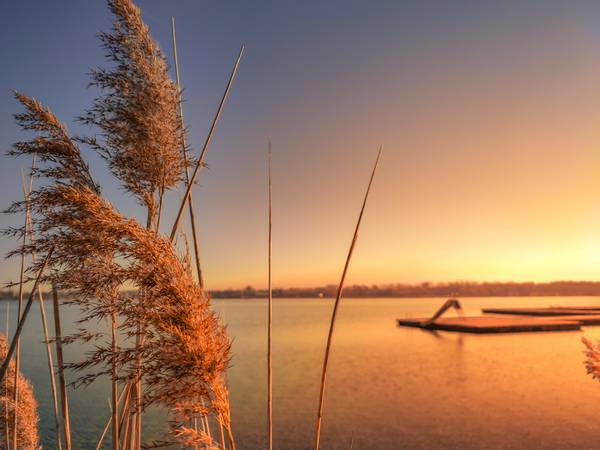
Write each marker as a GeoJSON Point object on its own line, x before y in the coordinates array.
{"type": "Point", "coordinates": [200, 161]}
{"type": "Point", "coordinates": [336, 305]}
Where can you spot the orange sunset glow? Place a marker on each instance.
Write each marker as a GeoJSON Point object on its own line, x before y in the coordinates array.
{"type": "Point", "coordinates": [490, 166]}
{"type": "Point", "coordinates": [282, 225]}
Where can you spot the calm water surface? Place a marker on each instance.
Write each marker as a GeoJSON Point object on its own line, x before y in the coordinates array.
{"type": "Point", "coordinates": [388, 387]}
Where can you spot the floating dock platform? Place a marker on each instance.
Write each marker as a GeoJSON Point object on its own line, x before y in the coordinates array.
{"type": "Point", "coordinates": [491, 324]}
{"type": "Point", "coordinates": [545, 312]}
{"type": "Point", "coordinates": [509, 320]}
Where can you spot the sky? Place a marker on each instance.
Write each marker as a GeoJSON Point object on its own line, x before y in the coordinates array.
{"type": "Point", "coordinates": [488, 113]}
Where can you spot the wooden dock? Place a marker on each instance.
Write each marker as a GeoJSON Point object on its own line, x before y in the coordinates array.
{"type": "Point", "coordinates": [509, 320]}
{"type": "Point", "coordinates": [545, 312]}
{"type": "Point", "coordinates": [492, 324]}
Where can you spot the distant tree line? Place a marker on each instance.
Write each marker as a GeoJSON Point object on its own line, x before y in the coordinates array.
{"type": "Point", "coordinates": [427, 289]}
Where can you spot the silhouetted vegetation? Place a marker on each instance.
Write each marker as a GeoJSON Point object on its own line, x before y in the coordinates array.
{"type": "Point", "coordinates": [426, 289]}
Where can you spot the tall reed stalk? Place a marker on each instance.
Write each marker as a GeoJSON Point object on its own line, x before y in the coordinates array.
{"type": "Point", "coordinates": [200, 161]}
{"type": "Point", "coordinates": [61, 370]}
{"type": "Point", "coordinates": [185, 159]}
{"type": "Point", "coordinates": [203, 418]}
{"type": "Point", "coordinates": [114, 390]}
{"type": "Point", "coordinates": [6, 416]}
{"type": "Point", "coordinates": [270, 322]}
{"type": "Point", "coordinates": [19, 312]}
{"type": "Point", "coordinates": [48, 346]}
{"type": "Point", "coordinates": [336, 305]}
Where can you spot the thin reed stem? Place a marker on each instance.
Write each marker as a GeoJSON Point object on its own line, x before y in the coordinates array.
{"type": "Point", "coordinates": [19, 329]}
{"type": "Point", "coordinates": [111, 419]}
{"type": "Point", "coordinates": [19, 312]}
{"type": "Point", "coordinates": [125, 441]}
{"type": "Point", "coordinates": [120, 417]}
{"type": "Point", "coordinates": [61, 370]}
{"type": "Point", "coordinates": [50, 359]}
{"type": "Point", "coordinates": [160, 205]}
{"type": "Point", "coordinates": [336, 304]}
{"type": "Point", "coordinates": [230, 438]}
{"type": "Point", "coordinates": [196, 431]}
{"type": "Point", "coordinates": [115, 409]}
{"type": "Point", "coordinates": [50, 369]}
{"type": "Point", "coordinates": [6, 422]}
{"type": "Point", "coordinates": [203, 419]}
{"type": "Point", "coordinates": [185, 159]}
{"type": "Point", "coordinates": [200, 161]}
{"type": "Point", "coordinates": [270, 322]}
{"type": "Point", "coordinates": [220, 420]}
{"type": "Point", "coordinates": [124, 418]}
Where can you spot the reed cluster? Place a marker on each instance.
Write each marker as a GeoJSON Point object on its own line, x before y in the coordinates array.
{"type": "Point", "coordinates": [174, 350]}
{"type": "Point", "coordinates": [166, 346]}
{"type": "Point", "coordinates": [96, 250]}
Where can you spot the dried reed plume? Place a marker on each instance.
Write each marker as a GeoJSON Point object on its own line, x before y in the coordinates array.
{"type": "Point", "coordinates": [185, 350]}
{"type": "Point", "coordinates": [141, 133]}
{"type": "Point", "coordinates": [27, 432]}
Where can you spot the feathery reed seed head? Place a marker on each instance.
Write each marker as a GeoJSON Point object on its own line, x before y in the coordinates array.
{"type": "Point", "coordinates": [137, 114]}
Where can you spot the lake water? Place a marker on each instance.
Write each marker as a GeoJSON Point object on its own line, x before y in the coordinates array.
{"type": "Point", "coordinates": [388, 387]}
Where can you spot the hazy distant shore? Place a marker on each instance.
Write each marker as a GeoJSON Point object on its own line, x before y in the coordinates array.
{"type": "Point", "coordinates": [424, 290]}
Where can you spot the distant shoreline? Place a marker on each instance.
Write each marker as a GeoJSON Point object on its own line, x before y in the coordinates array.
{"type": "Point", "coordinates": [428, 290]}
{"type": "Point", "coordinates": [422, 290]}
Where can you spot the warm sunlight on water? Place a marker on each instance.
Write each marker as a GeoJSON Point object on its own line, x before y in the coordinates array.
{"type": "Point", "coordinates": [388, 387]}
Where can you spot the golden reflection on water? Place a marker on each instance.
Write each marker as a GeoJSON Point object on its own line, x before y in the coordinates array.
{"type": "Point", "coordinates": [389, 387]}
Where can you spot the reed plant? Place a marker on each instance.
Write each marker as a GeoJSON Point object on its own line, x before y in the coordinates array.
{"type": "Point", "coordinates": [185, 348]}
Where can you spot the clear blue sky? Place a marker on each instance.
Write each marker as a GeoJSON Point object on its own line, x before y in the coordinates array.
{"type": "Point", "coordinates": [488, 112]}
